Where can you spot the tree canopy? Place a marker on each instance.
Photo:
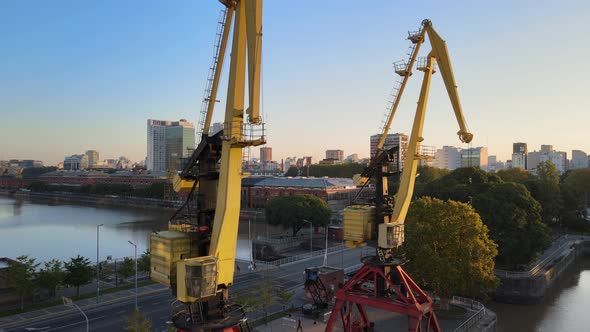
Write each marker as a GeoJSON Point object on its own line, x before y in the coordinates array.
{"type": "Point", "coordinates": [20, 276]}
{"type": "Point", "coordinates": [448, 248]}
{"type": "Point", "coordinates": [292, 211]}
{"type": "Point", "coordinates": [138, 322]}
{"type": "Point", "coordinates": [549, 192]}
{"type": "Point", "coordinates": [127, 267]}
{"type": "Point", "coordinates": [513, 217]}
{"type": "Point", "coordinates": [52, 275]}
{"type": "Point", "coordinates": [78, 272]}
{"type": "Point", "coordinates": [508, 209]}
{"type": "Point", "coordinates": [341, 171]}
{"type": "Point", "coordinates": [517, 175]}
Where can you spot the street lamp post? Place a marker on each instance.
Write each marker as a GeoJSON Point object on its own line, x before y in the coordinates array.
{"type": "Point", "coordinates": [97, 264]}
{"type": "Point", "coordinates": [326, 251]}
{"type": "Point", "coordinates": [69, 303]}
{"type": "Point", "coordinates": [310, 237]}
{"type": "Point", "coordinates": [135, 246]}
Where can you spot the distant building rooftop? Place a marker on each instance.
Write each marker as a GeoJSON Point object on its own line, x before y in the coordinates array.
{"type": "Point", "coordinates": [299, 182]}
{"type": "Point", "coordinates": [99, 174]}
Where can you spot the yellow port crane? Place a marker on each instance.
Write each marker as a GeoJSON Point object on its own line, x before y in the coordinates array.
{"type": "Point", "coordinates": [389, 286]}
{"type": "Point", "coordinates": [196, 255]}
{"type": "Point", "coordinates": [391, 213]}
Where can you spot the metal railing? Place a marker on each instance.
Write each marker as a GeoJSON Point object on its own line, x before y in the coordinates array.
{"type": "Point", "coordinates": [475, 318]}
{"type": "Point", "coordinates": [295, 258]}
{"type": "Point", "coordinates": [534, 271]}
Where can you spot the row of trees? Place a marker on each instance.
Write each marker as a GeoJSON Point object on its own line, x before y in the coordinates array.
{"type": "Point", "coordinates": [26, 274]}
{"type": "Point", "coordinates": [293, 212]}
{"type": "Point", "coordinates": [339, 171]}
{"type": "Point", "coordinates": [155, 190]}
{"type": "Point", "coordinates": [519, 208]}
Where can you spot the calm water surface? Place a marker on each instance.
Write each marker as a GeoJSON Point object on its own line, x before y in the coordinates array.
{"type": "Point", "coordinates": [564, 308]}
{"type": "Point", "coordinates": [46, 231]}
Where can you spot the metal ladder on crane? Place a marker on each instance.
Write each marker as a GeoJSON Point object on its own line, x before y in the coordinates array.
{"type": "Point", "coordinates": [402, 69]}
{"type": "Point", "coordinates": [212, 69]}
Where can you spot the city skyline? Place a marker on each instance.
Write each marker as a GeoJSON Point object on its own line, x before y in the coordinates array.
{"type": "Point", "coordinates": [88, 86]}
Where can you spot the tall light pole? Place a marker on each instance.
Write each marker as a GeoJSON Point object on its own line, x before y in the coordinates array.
{"type": "Point", "coordinates": [69, 303]}
{"type": "Point", "coordinates": [134, 245]}
{"type": "Point", "coordinates": [310, 237]}
{"type": "Point", "coordinates": [326, 251]}
{"type": "Point", "coordinates": [97, 264]}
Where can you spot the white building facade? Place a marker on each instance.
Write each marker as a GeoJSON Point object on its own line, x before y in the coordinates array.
{"type": "Point", "coordinates": [448, 157]}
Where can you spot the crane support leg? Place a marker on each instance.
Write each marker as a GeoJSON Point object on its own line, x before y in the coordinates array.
{"type": "Point", "coordinates": [402, 295]}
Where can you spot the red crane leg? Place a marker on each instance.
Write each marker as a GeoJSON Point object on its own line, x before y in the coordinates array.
{"type": "Point", "coordinates": [404, 296]}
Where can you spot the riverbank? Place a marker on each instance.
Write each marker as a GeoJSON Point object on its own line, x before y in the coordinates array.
{"type": "Point", "coordinates": [531, 286]}
{"type": "Point", "coordinates": [96, 200]}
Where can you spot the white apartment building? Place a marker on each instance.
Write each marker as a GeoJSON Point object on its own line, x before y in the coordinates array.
{"type": "Point", "coordinates": [391, 140]}
{"type": "Point", "coordinates": [448, 157]}
{"type": "Point", "coordinates": [579, 159]}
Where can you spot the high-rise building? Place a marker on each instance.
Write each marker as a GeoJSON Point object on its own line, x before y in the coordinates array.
{"type": "Point", "coordinates": [167, 142]}
{"type": "Point", "coordinates": [180, 142]}
{"type": "Point", "coordinates": [335, 155]}
{"type": "Point", "coordinates": [391, 141]}
{"type": "Point", "coordinates": [558, 158]}
{"type": "Point", "coordinates": [92, 157]}
{"type": "Point", "coordinates": [545, 148]}
{"type": "Point", "coordinates": [448, 157]}
{"type": "Point", "coordinates": [215, 128]}
{"type": "Point", "coordinates": [265, 154]}
{"type": "Point", "coordinates": [353, 158]}
{"type": "Point", "coordinates": [519, 155]}
{"type": "Point", "coordinates": [475, 157]}
{"type": "Point", "coordinates": [76, 162]}
{"type": "Point", "coordinates": [579, 159]}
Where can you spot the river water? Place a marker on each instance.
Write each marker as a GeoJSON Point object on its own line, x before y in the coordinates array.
{"type": "Point", "coordinates": [564, 307]}
{"type": "Point", "coordinates": [47, 231]}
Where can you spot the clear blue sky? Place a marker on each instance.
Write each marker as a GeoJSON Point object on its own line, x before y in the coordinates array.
{"type": "Point", "coordinates": [78, 75]}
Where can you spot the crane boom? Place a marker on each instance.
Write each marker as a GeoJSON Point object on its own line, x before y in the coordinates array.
{"type": "Point", "coordinates": [196, 257]}
{"type": "Point", "coordinates": [391, 220]}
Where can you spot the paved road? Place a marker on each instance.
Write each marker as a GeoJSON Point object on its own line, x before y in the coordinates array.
{"type": "Point", "coordinates": [110, 317]}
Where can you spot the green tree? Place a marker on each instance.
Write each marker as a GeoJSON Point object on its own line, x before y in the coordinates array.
{"type": "Point", "coordinates": [578, 181]}
{"type": "Point", "coordinates": [291, 211]}
{"type": "Point", "coordinates": [20, 277]}
{"type": "Point", "coordinates": [138, 322]}
{"type": "Point", "coordinates": [549, 192]}
{"type": "Point", "coordinates": [52, 275]}
{"type": "Point", "coordinates": [426, 175]}
{"type": "Point", "coordinates": [127, 267]}
{"type": "Point", "coordinates": [513, 217]}
{"type": "Point", "coordinates": [461, 184]}
{"type": "Point", "coordinates": [575, 190]}
{"type": "Point", "coordinates": [143, 262]}
{"type": "Point", "coordinates": [448, 248]}
{"type": "Point", "coordinates": [517, 175]}
{"type": "Point", "coordinates": [79, 272]}
{"type": "Point", "coordinates": [285, 297]}
{"type": "Point", "coordinates": [292, 171]}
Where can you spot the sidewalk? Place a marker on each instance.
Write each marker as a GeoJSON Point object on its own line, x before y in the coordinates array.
{"type": "Point", "coordinates": [58, 310]}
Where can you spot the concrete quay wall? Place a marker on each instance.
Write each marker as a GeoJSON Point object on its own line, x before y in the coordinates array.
{"type": "Point", "coordinates": [530, 288]}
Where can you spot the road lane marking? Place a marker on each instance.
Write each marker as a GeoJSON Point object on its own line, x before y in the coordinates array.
{"type": "Point", "coordinates": [73, 324]}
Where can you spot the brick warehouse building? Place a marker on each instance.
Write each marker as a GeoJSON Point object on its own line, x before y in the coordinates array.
{"type": "Point", "coordinates": [257, 191]}
{"type": "Point", "coordinates": [93, 177]}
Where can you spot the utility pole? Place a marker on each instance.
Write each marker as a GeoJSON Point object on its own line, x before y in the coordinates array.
{"type": "Point", "coordinates": [97, 265]}
{"type": "Point", "coordinates": [134, 245]}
